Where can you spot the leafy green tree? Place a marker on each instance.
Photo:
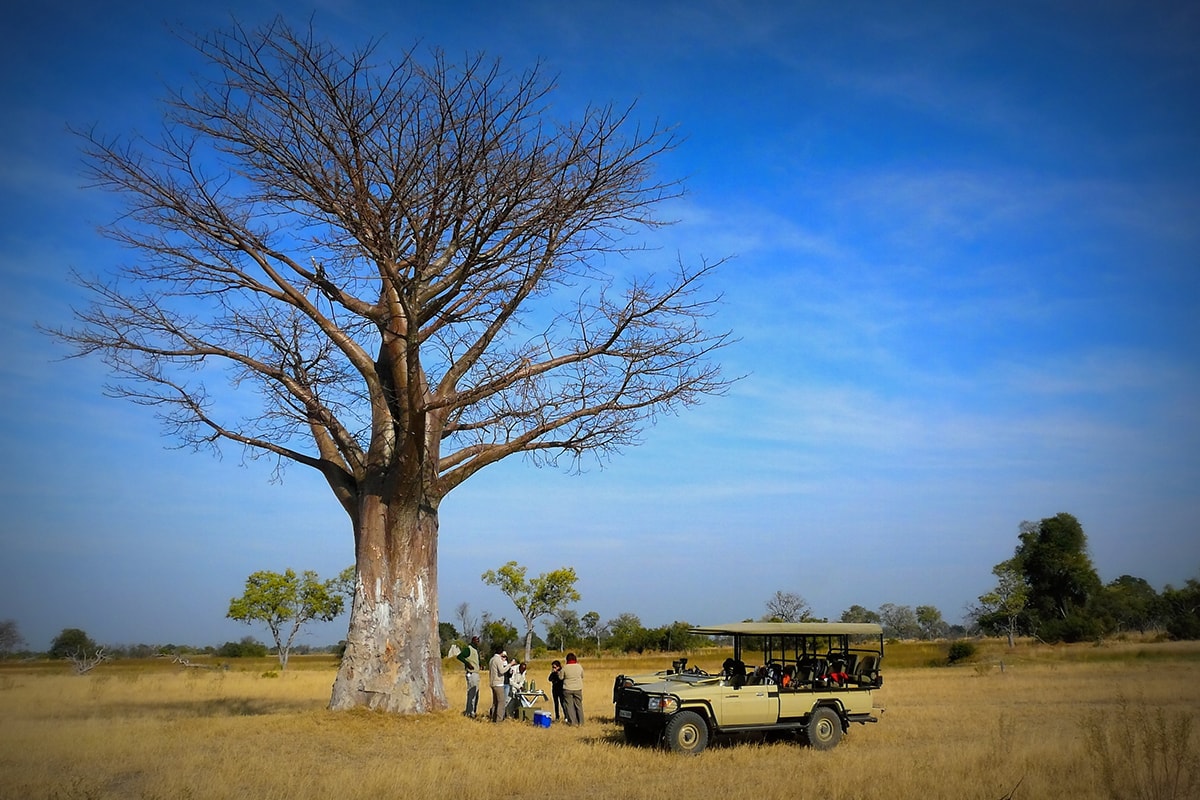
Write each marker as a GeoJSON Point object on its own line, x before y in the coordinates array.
{"type": "Point", "coordinates": [592, 627]}
{"type": "Point", "coordinates": [11, 639]}
{"type": "Point", "coordinates": [1182, 610]}
{"type": "Point", "coordinates": [930, 621]}
{"type": "Point", "coordinates": [857, 613]}
{"type": "Point", "coordinates": [534, 597]}
{"type": "Point", "coordinates": [409, 264]}
{"type": "Point", "coordinates": [675, 637]}
{"type": "Point", "coordinates": [1003, 608]}
{"type": "Point", "coordinates": [625, 632]}
{"type": "Point", "coordinates": [447, 634]}
{"type": "Point", "coordinates": [248, 647]}
{"type": "Point", "coordinates": [72, 643]}
{"type": "Point", "coordinates": [565, 629]}
{"type": "Point", "coordinates": [899, 622]}
{"type": "Point", "coordinates": [1053, 557]}
{"type": "Point", "coordinates": [344, 583]}
{"type": "Point", "coordinates": [285, 603]}
{"type": "Point", "coordinates": [496, 634]}
{"type": "Point", "coordinates": [1129, 604]}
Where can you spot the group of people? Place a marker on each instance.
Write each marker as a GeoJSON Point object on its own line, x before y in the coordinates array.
{"type": "Point", "coordinates": [506, 678]}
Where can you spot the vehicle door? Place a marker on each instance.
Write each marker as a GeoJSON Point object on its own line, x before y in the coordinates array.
{"type": "Point", "coordinates": [749, 705]}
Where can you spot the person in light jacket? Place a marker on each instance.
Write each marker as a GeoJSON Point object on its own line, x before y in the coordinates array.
{"type": "Point", "coordinates": [497, 672]}
{"type": "Point", "coordinates": [572, 675]}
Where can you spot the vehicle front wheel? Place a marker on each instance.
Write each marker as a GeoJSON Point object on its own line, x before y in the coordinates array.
{"type": "Point", "coordinates": [686, 733]}
{"type": "Point", "coordinates": [824, 729]}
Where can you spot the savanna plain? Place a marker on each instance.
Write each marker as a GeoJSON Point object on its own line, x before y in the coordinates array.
{"type": "Point", "coordinates": [1084, 721]}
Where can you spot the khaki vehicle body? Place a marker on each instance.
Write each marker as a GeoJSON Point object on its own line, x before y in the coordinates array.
{"type": "Point", "coordinates": [807, 679]}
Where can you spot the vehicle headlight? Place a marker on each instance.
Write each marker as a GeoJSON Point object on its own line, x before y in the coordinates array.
{"type": "Point", "coordinates": [664, 703]}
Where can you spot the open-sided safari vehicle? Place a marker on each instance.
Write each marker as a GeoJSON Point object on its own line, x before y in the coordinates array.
{"type": "Point", "coordinates": [809, 679]}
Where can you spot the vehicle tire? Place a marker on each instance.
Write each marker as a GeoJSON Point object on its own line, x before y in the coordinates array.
{"type": "Point", "coordinates": [686, 733]}
{"type": "Point", "coordinates": [824, 729]}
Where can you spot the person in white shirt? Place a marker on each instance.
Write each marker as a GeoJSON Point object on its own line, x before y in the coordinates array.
{"type": "Point", "coordinates": [517, 681]}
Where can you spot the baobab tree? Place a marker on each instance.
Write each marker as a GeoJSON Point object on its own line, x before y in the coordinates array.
{"type": "Point", "coordinates": [409, 262]}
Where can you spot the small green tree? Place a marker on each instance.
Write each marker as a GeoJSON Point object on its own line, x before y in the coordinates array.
{"type": "Point", "coordinates": [626, 632]}
{"type": "Point", "coordinates": [72, 643]}
{"type": "Point", "coordinates": [1129, 604]}
{"type": "Point", "coordinates": [535, 597]}
{"type": "Point", "coordinates": [1003, 608]}
{"type": "Point", "coordinates": [899, 622]}
{"type": "Point", "coordinates": [497, 633]}
{"type": "Point", "coordinates": [564, 630]}
{"type": "Point", "coordinates": [447, 635]}
{"type": "Point", "coordinates": [592, 627]}
{"type": "Point", "coordinates": [285, 603]}
{"type": "Point", "coordinates": [248, 647]}
{"type": "Point", "coordinates": [857, 613]}
{"type": "Point", "coordinates": [1182, 609]}
{"type": "Point", "coordinates": [929, 618]}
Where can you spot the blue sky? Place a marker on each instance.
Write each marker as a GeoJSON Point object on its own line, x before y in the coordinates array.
{"type": "Point", "coordinates": [965, 280]}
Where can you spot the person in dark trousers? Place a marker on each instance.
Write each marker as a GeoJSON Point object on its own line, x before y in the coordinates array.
{"type": "Point", "coordinates": [497, 679]}
{"type": "Point", "coordinates": [470, 661]}
{"type": "Point", "coordinates": [572, 673]}
{"type": "Point", "coordinates": [556, 688]}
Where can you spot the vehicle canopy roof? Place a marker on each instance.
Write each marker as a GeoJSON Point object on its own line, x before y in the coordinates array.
{"type": "Point", "coordinates": [791, 629]}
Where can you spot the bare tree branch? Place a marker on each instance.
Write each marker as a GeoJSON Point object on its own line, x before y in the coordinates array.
{"type": "Point", "coordinates": [394, 273]}
{"type": "Point", "coordinates": [84, 662]}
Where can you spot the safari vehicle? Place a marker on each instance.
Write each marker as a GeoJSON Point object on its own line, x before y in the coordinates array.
{"type": "Point", "coordinates": [814, 679]}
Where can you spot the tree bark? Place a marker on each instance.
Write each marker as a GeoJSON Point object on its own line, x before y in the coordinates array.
{"type": "Point", "coordinates": [393, 651]}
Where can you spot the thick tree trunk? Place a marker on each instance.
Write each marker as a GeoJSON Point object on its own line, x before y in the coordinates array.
{"type": "Point", "coordinates": [393, 652]}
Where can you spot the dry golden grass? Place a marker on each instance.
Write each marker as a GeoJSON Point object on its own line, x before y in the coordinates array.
{"type": "Point", "coordinates": [161, 731]}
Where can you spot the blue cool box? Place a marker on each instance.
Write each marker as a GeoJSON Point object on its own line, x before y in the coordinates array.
{"type": "Point", "coordinates": [541, 719]}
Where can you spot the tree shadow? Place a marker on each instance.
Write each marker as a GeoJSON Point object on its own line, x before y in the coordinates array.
{"type": "Point", "coordinates": [212, 707]}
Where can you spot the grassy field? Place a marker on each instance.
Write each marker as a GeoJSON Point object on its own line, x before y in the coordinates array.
{"type": "Point", "coordinates": [1053, 722]}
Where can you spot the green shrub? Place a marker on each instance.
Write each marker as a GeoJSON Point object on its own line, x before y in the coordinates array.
{"type": "Point", "coordinates": [960, 650]}
{"type": "Point", "coordinates": [246, 648]}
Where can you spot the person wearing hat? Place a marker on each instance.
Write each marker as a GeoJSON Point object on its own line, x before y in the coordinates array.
{"type": "Point", "coordinates": [469, 656]}
{"type": "Point", "coordinates": [497, 672]}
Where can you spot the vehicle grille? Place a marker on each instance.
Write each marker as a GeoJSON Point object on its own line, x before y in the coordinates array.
{"type": "Point", "coordinates": [632, 700]}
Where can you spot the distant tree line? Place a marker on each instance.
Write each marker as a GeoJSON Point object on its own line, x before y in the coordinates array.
{"type": "Point", "coordinates": [75, 642]}
{"type": "Point", "coordinates": [1050, 590]}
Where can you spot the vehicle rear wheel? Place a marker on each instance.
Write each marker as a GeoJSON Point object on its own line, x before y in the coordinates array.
{"type": "Point", "coordinates": [686, 733]}
{"type": "Point", "coordinates": [824, 729]}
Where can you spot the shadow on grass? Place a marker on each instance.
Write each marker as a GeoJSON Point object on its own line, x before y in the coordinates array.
{"type": "Point", "coordinates": [614, 735]}
{"type": "Point", "coordinates": [210, 708]}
